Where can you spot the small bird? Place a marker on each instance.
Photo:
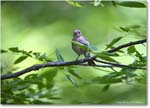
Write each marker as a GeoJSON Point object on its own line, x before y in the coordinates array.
{"type": "Point", "coordinates": [78, 37]}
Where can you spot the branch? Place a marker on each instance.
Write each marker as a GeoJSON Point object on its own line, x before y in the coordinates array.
{"type": "Point", "coordinates": [126, 45]}
{"type": "Point", "coordinates": [78, 62]}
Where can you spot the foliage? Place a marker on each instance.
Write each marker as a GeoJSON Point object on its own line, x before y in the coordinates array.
{"type": "Point", "coordinates": [74, 84]}
{"type": "Point", "coordinates": [33, 89]}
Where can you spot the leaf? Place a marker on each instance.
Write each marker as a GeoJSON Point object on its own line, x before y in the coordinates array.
{"type": "Point", "coordinates": [80, 45]}
{"type": "Point", "coordinates": [71, 71]}
{"type": "Point", "coordinates": [19, 84]}
{"type": "Point", "coordinates": [71, 80]}
{"type": "Point", "coordinates": [25, 52]}
{"type": "Point", "coordinates": [106, 87]}
{"type": "Point", "coordinates": [41, 57]}
{"type": "Point", "coordinates": [133, 4]}
{"type": "Point", "coordinates": [124, 29]}
{"type": "Point", "coordinates": [114, 3]}
{"type": "Point", "coordinates": [20, 59]}
{"type": "Point", "coordinates": [142, 59]}
{"type": "Point", "coordinates": [97, 2]}
{"type": "Point", "coordinates": [135, 26]}
{"type": "Point", "coordinates": [131, 49]}
{"type": "Point", "coordinates": [14, 49]}
{"type": "Point", "coordinates": [34, 79]}
{"type": "Point", "coordinates": [103, 80]}
{"type": "Point", "coordinates": [3, 51]}
{"type": "Point", "coordinates": [128, 72]}
{"type": "Point", "coordinates": [59, 56]}
{"type": "Point", "coordinates": [115, 40]}
{"type": "Point", "coordinates": [73, 3]}
{"type": "Point", "coordinates": [105, 56]}
{"type": "Point", "coordinates": [37, 54]}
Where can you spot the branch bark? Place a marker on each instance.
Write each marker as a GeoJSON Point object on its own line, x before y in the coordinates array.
{"type": "Point", "coordinates": [78, 62]}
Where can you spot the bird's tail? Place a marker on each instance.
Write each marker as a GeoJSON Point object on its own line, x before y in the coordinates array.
{"type": "Point", "coordinates": [90, 62]}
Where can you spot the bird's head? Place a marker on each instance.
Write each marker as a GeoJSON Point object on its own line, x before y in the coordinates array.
{"type": "Point", "coordinates": [77, 33]}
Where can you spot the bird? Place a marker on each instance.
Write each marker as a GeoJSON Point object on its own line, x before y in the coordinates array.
{"type": "Point", "coordinates": [78, 37]}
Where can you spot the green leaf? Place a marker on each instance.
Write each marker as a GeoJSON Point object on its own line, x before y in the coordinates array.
{"type": "Point", "coordinates": [131, 49]}
{"type": "Point", "coordinates": [14, 49]}
{"type": "Point", "coordinates": [103, 80]}
{"type": "Point", "coordinates": [80, 45]}
{"type": "Point", "coordinates": [115, 40]}
{"type": "Point", "coordinates": [114, 3]}
{"type": "Point", "coordinates": [3, 51]}
{"type": "Point", "coordinates": [128, 72]}
{"type": "Point", "coordinates": [106, 87]}
{"type": "Point", "coordinates": [71, 80]}
{"type": "Point", "coordinates": [59, 56]}
{"type": "Point", "coordinates": [25, 52]}
{"type": "Point", "coordinates": [34, 79]}
{"type": "Point", "coordinates": [20, 59]}
{"type": "Point", "coordinates": [125, 29]}
{"type": "Point", "coordinates": [73, 3]}
{"type": "Point", "coordinates": [37, 54]}
{"type": "Point", "coordinates": [133, 4]}
{"type": "Point", "coordinates": [142, 59]}
{"type": "Point", "coordinates": [19, 84]}
{"type": "Point", "coordinates": [135, 26]}
{"type": "Point", "coordinates": [105, 56]}
{"type": "Point", "coordinates": [41, 57]}
{"type": "Point", "coordinates": [71, 71]}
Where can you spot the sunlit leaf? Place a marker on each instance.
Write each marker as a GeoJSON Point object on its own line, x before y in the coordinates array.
{"type": "Point", "coordinates": [115, 40]}
{"type": "Point", "coordinates": [20, 59]}
{"type": "Point", "coordinates": [97, 2]}
{"type": "Point", "coordinates": [74, 3]}
{"type": "Point", "coordinates": [59, 56]}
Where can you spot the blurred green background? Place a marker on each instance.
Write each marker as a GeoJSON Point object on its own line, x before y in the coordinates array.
{"type": "Point", "coordinates": [44, 26]}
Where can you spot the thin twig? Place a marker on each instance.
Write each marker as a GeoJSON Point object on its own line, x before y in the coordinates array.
{"type": "Point", "coordinates": [119, 65]}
